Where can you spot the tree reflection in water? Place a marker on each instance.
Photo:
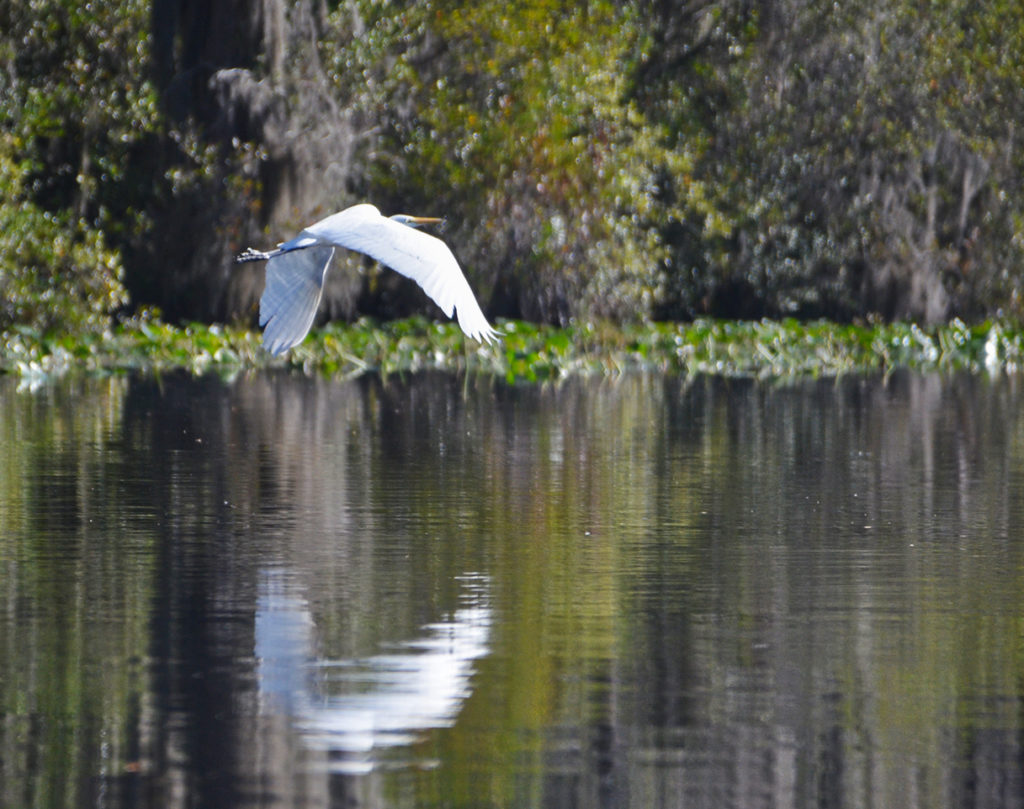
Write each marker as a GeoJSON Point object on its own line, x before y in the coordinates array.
{"type": "Point", "coordinates": [650, 591]}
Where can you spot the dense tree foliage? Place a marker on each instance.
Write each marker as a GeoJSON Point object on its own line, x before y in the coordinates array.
{"type": "Point", "coordinates": [862, 153]}
{"type": "Point", "coordinates": [57, 274]}
{"type": "Point", "coordinates": [518, 120]}
{"type": "Point", "coordinates": [613, 159]}
{"type": "Point", "coordinates": [73, 105]}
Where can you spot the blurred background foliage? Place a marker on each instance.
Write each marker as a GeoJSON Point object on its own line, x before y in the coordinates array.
{"type": "Point", "coordinates": [621, 160]}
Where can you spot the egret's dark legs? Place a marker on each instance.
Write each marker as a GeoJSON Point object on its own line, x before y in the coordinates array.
{"type": "Point", "coordinates": [256, 255]}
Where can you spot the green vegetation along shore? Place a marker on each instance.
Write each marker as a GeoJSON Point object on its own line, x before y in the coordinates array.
{"type": "Point", "coordinates": [527, 352]}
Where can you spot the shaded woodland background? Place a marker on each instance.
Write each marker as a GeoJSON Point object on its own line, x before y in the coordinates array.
{"type": "Point", "coordinates": [645, 159]}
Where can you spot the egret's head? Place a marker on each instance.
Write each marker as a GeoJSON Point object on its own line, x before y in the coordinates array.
{"type": "Point", "coordinates": [416, 221]}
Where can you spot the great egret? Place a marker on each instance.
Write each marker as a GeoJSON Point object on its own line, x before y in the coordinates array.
{"type": "Point", "coordinates": [297, 268]}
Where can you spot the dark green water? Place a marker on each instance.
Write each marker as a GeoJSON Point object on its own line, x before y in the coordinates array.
{"type": "Point", "coordinates": [440, 592]}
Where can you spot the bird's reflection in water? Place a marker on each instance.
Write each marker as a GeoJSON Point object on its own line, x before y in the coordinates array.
{"type": "Point", "coordinates": [351, 709]}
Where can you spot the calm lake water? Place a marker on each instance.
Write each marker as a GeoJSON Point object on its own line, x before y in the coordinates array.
{"type": "Point", "coordinates": [440, 591]}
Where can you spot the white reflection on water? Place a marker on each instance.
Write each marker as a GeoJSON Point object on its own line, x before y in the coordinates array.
{"type": "Point", "coordinates": [349, 708]}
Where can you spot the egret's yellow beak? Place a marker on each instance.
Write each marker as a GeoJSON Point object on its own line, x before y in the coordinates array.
{"type": "Point", "coordinates": [415, 221]}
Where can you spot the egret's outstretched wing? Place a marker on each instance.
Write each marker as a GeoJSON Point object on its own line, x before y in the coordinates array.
{"type": "Point", "coordinates": [295, 281]}
{"type": "Point", "coordinates": [414, 254]}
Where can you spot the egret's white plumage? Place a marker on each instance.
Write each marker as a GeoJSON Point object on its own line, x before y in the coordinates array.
{"type": "Point", "coordinates": [296, 271]}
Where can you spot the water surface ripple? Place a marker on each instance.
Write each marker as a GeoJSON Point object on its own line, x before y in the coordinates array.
{"type": "Point", "coordinates": [441, 591]}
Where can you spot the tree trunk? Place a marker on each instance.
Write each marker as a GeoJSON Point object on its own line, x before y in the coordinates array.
{"type": "Point", "coordinates": [255, 144]}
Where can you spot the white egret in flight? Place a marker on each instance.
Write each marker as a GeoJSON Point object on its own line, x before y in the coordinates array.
{"type": "Point", "coordinates": [297, 268]}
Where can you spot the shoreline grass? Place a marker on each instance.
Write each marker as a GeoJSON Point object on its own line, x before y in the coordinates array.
{"type": "Point", "coordinates": [527, 351]}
